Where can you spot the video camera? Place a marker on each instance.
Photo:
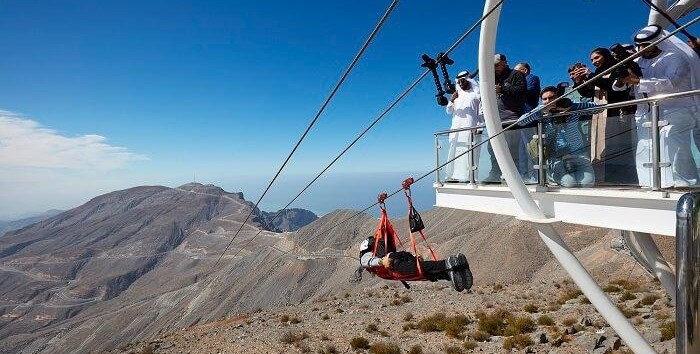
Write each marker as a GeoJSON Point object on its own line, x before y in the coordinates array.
{"type": "Point", "coordinates": [621, 53]}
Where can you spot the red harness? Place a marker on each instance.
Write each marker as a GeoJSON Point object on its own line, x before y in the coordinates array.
{"type": "Point", "coordinates": [386, 233]}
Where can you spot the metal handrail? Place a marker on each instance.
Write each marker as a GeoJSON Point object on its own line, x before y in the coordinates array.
{"type": "Point", "coordinates": [587, 110]}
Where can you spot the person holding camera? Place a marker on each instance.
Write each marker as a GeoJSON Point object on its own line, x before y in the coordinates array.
{"type": "Point", "coordinates": [613, 134]}
{"type": "Point", "coordinates": [532, 81]}
{"type": "Point", "coordinates": [465, 108]}
{"type": "Point", "coordinates": [511, 87]}
{"type": "Point", "coordinates": [567, 160]}
{"type": "Point", "coordinates": [668, 67]}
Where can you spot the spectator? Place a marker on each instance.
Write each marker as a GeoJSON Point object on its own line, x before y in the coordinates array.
{"type": "Point", "coordinates": [511, 88]}
{"type": "Point", "coordinates": [567, 162]}
{"type": "Point", "coordinates": [669, 67]}
{"type": "Point", "coordinates": [465, 108]}
{"type": "Point", "coordinates": [532, 93]}
{"type": "Point", "coordinates": [613, 134]}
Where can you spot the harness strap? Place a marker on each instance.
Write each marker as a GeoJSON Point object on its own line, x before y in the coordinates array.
{"type": "Point", "coordinates": [412, 213]}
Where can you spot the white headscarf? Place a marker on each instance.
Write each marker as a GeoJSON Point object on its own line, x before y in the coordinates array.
{"type": "Point", "coordinates": [474, 84]}
{"type": "Point", "coordinates": [673, 44]}
{"type": "Point", "coordinates": [466, 109]}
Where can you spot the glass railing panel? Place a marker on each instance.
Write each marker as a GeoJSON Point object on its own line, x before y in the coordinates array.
{"type": "Point", "coordinates": [611, 145]}
{"type": "Point", "coordinates": [450, 145]}
{"type": "Point", "coordinates": [442, 149]}
{"type": "Point", "coordinates": [517, 139]}
{"type": "Point", "coordinates": [605, 149]}
{"type": "Point", "coordinates": [568, 152]}
{"type": "Point", "coordinates": [679, 138]}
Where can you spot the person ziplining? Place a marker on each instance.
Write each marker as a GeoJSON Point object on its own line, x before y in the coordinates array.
{"type": "Point", "coordinates": [380, 256]}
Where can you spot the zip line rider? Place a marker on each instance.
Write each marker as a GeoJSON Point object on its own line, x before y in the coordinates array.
{"type": "Point", "coordinates": [455, 268]}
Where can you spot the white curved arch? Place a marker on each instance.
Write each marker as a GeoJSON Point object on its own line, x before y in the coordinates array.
{"type": "Point", "coordinates": [607, 309]}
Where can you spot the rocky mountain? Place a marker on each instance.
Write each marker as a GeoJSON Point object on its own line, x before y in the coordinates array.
{"type": "Point", "coordinates": [119, 251]}
{"type": "Point", "coordinates": [522, 299]}
{"type": "Point", "coordinates": [10, 225]}
{"type": "Point", "coordinates": [289, 219]}
{"type": "Point", "coordinates": [134, 265]}
{"type": "Point", "coordinates": [551, 317]}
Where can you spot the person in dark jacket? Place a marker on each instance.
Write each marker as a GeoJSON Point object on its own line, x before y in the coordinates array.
{"type": "Point", "coordinates": [614, 138]}
{"type": "Point", "coordinates": [532, 93]}
{"type": "Point", "coordinates": [511, 88]}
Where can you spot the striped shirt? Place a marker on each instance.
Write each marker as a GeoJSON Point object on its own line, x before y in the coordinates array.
{"type": "Point", "coordinates": [563, 138]}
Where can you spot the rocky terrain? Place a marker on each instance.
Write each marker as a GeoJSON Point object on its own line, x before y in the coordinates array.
{"type": "Point", "coordinates": [121, 266]}
{"type": "Point", "coordinates": [547, 317]}
{"type": "Point", "coordinates": [77, 283]}
{"type": "Point", "coordinates": [521, 300]}
{"type": "Point", "coordinates": [289, 219]}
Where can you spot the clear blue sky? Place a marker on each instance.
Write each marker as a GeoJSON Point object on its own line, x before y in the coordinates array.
{"type": "Point", "coordinates": [224, 88]}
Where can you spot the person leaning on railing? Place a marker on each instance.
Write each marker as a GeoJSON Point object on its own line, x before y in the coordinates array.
{"type": "Point", "coordinates": [614, 135]}
{"type": "Point", "coordinates": [667, 67]}
{"type": "Point", "coordinates": [568, 164]}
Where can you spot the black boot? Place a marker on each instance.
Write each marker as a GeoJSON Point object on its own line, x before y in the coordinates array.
{"type": "Point", "coordinates": [457, 278]}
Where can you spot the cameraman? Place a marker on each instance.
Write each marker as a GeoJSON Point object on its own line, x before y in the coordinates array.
{"type": "Point", "coordinates": [511, 87]}
{"type": "Point", "coordinates": [669, 67]}
{"type": "Point", "coordinates": [613, 136]}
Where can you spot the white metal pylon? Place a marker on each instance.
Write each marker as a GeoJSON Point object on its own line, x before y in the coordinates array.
{"type": "Point", "coordinates": [565, 257]}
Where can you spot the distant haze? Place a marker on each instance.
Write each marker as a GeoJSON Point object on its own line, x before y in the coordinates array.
{"type": "Point", "coordinates": [330, 192]}
{"type": "Point", "coordinates": [336, 191]}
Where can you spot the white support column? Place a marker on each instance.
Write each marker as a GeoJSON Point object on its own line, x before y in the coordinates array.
{"type": "Point", "coordinates": [680, 9]}
{"type": "Point", "coordinates": [589, 287]}
{"type": "Point", "coordinates": [644, 250]}
{"type": "Point", "coordinates": [656, 18]}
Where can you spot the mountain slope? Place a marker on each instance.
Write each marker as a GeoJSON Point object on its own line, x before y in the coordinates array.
{"type": "Point", "coordinates": [98, 290]}
{"type": "Point", "coordinates": [56, 269]}
{"type": "Point", "coordinates": [6, 226]}
{"type": "Point", "coordinates": [289, 219]}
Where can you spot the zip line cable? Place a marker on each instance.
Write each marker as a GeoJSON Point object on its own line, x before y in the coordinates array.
{"type": "Point", "coordinates": [313, 121]}
{"type": "Point", "coordinates": [509, 127]}
{"type": "Point", "coordinates": [381, 115]}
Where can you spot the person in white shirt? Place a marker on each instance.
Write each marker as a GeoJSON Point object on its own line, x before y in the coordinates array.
{"type": "Point", "coordinates": [669, 67]}
{"type": "Point", "coordinates": [465, 108]}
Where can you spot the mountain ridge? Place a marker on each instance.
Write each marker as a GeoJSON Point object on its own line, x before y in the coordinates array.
{"type": "Point", "coordinates": [10, 225]}
{"type": "Point", "coordinates": [161, 267]}
{"type": "Point", "coordinates": [102, 251]}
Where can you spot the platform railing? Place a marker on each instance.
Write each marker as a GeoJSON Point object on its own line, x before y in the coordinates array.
{"type": "Point", "coordinates": [449, 143]}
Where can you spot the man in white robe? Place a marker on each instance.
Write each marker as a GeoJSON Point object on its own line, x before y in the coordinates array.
{"type": "Point", "coordinates": [669, 67]}
{"type": "Point", "coordinates": [465, 108]}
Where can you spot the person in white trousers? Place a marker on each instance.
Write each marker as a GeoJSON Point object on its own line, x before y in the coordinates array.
{"type": "Point", "coordinates": [465, 108]}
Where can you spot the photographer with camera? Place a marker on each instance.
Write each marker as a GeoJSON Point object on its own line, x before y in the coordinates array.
{"type": "Point", "coordinates": [465, 108]}
{"type": "Point", "coordinates": [668, 67]}
{"type": "Point", "coordinates": [567, 160]}
{"type": "Point", "coordinates": [612, 131]}
{"type": "Point", "coordinates": [511, 87]}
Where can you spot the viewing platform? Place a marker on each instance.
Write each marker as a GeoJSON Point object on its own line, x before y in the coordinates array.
{"type": "Point", "coordinates": [646, 203]}
{"type": "Point", "coordinates": [622, 209]}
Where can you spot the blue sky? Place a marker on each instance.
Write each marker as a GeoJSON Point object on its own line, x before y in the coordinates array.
{"type": "Point", "coordinates": [157, 91]}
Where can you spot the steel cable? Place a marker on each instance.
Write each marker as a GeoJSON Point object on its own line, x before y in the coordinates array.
{"type": "Point", "coordinates": [379, 117]}
{"type": "Point", "coordinates": [313, 121]}
{"type": "Point", "coordinates": [587, 82]}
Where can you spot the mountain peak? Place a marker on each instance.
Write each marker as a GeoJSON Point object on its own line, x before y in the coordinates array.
{"type": "Point", "coordinates": [205, 188]}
